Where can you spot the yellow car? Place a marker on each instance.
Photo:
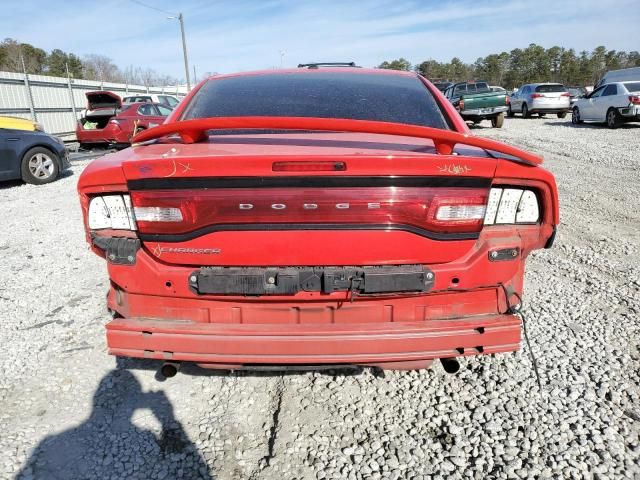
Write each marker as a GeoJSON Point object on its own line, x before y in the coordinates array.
{"type": "Point", "coordinates": [15, 123]}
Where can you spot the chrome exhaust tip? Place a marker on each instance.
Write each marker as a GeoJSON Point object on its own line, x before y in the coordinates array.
{"type": "Point", "coordinates": [169, 369]}
{"type": "Point", "coordinates": [450, 365]}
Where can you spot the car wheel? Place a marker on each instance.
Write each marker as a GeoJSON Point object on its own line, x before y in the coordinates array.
{"type": "Point", "coordinates": [613, 118]}
{"type": "Point", "coordinates": [562, 114]}
{"type": "Point", "coordinates": [40, 166]}
{"type": "Point", "coordinates": [575, 116]}
{"type": "Point", "coordinates": [510, 112]}
{"type": "Point", "coordinates": [525, 111]}
{"type": "Point", "coordinates": [497, 121]}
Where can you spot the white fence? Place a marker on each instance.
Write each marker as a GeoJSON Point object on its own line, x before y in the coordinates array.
{"type": "Point", "coordinates": [56, 102]}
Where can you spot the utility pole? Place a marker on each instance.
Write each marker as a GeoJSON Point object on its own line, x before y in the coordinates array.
{"type": "Point", "coordinates": [29, 93]}
{"type": "Point", "coordinates": [180, 18]}
{"type": "Point", "coordinates": [73, 102]}
{"type": "Point", "coordinates": [184, 51]}
{"type": "Point", "coordinates": [184, 47]}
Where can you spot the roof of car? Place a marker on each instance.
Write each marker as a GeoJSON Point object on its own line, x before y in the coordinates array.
{"type": "Point", "coordinates": [134, 104]}
{"type": "Point", "coordinates": [312, 71]}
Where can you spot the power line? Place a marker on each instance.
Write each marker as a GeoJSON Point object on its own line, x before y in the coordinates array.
{"type": "Point", "coordinates": [152, 7]}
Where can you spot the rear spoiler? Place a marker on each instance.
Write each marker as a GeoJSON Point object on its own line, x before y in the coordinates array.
{"type": "Point", "coordinates": [192, 131]}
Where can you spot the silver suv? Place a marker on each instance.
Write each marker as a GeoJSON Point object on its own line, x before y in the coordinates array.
{"type": "Point", "coordinates": [540, 98]}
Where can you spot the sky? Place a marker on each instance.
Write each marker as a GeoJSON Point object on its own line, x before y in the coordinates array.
{"type": "Point", "coordinates": [239, 35]}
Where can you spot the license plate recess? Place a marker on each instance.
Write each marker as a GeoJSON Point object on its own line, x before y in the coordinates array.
{"type": "Point", "coordinates": [291, 280]}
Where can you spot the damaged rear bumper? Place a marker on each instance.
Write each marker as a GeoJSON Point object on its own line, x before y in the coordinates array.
{"type": "Point", "coordinates": [235, 345]}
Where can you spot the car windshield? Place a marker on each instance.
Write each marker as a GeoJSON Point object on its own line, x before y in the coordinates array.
{"type": "Point", "coordinates": [550, 88]}
{"type": "Point", "coordinates": [632, 86]}
{"type": "Point", "coordinates": [360, 96]}
{"type": "Point", "coordinates": [575, 91]}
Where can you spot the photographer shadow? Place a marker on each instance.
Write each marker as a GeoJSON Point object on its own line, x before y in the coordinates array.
{"type": "Point", "coordinates": [109, 445]}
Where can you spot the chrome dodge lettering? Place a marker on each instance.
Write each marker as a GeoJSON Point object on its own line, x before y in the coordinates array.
{"type": "Point", "coordinates": [309, 206]}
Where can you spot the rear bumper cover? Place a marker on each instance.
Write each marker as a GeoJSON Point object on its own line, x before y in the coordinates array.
{"type": "Point", "coordinates": [361, 343]}
{"type": "Point", "coordinates": [630, 113]}
{"type": "Point", "coordinates": [111, 134]}
{"type": "Point", "coordinates": [543, 109]}
{"type": "Point", "coordinates": [484, 112]}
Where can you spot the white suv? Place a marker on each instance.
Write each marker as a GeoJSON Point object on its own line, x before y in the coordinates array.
{"type": "Point", "coordinates": [540, 98]}
{"type": "Point", "coordinates": [166, 100]}
{"type": "Point", "coordinates": [612, 103]}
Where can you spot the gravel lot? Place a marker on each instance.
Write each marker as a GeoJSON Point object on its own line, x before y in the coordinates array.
{"type": "Point", "coordinates": [70, 411]}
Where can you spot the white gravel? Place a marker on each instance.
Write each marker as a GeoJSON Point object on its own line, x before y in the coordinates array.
{"type": "Point", "coordinates": [70, 411]}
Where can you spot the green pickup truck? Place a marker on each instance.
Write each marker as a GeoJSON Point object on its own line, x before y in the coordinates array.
{"type": "Point", "coordinates": [476, 101]}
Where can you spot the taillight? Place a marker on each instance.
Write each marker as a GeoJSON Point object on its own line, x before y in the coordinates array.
{"type": "Point", "coordinates": [158, 214]}
{"type": "Point", "coordinates": [511, 206]}
{"type": "Point", "coordinates": [565, 94]}
{"type": "Point", "coordinates": [507, 100]}
{"type": "Point", "coordinates": [461, 104]}
{"type": "Point", "coordinates": [634, 99]}
{"type": "Point", "coordinates": [446, 210]}
{"type": "Point", "coordinates": [536, 95]}
{"type": "Point", "coordinates": [112, 212]}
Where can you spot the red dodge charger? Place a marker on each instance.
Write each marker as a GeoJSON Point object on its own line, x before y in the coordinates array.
{"type": "Point", "coordinates": [312, 217]}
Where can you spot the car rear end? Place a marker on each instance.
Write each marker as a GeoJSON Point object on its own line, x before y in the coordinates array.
{"type": "Point", "coordinates": [630, 111]}
{"type": "Point", "coordinates": [95, 127]}
{"type": "Point", "coordinates": [348, 247]}
{"type": "Point", "coordinates": [483, 104]}
{"type": "Point", "coordinates": [550, 98]}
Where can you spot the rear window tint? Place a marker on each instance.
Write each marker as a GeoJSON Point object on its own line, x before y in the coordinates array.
{"type": "Point", "coordinates": [632, 86]}
{"type": "Point", "coordinates": [550, 88]}
{"type": "Point", "coordinates": [359, 96]}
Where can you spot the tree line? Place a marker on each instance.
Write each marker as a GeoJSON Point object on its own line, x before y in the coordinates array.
{"type": "Point", "coordinates": [527, 65]}
{"type": "Point", "coordinates": [90, 67]}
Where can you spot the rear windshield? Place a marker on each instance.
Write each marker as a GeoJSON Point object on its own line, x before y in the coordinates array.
{"type": "Point", "coordinates": [479, 87]}
{"type": "Point", "coordinates": [359, 96]}
{"type": "Point", "coordinates": [632, 86]}
{"type": "Point", "coordinates": [550, 88]}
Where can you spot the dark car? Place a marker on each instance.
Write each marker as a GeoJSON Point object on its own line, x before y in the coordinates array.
{"type": "Point", "coordinates": [442, 85]}
{"type": "Point", "coordinates": [33, 156]}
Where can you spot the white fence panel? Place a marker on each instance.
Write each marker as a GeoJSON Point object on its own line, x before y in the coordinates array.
{"type": "Point", "coordinates": [52, 100]}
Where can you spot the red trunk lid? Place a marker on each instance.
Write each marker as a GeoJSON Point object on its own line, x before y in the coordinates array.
{"type": "Point", "coordinates": [377, 207]}
{"type": "Point", "coordinates": [102, 99]}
